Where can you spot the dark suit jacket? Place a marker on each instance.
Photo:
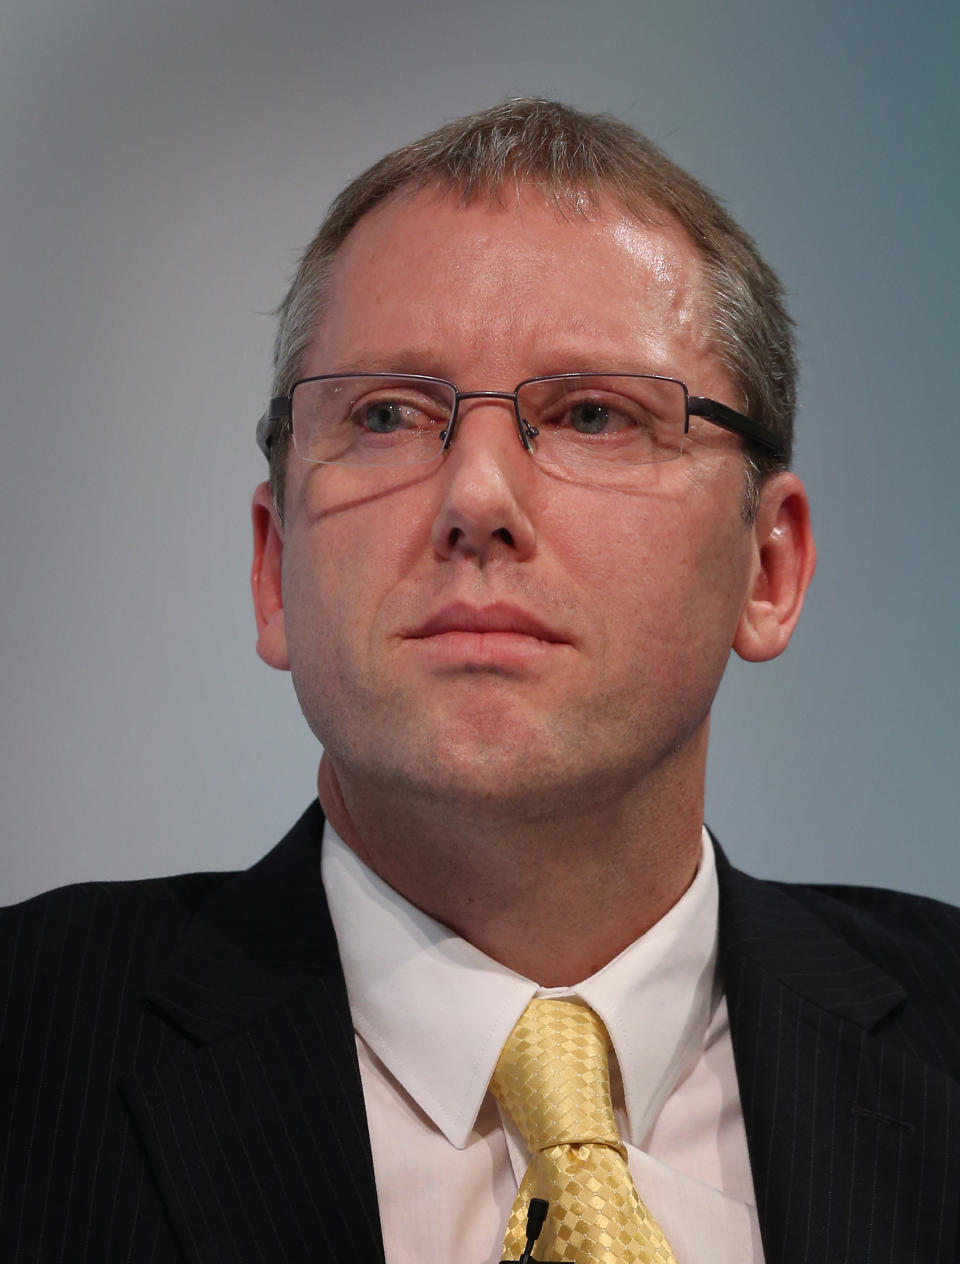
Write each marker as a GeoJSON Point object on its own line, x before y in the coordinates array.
{"type": "Point", "coordinates": [178, 1074]}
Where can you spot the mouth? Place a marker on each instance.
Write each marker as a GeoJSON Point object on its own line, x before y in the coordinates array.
{"type": "Point", "coordinates": [497, 619]}
{"type": "Point", "coordinates": [498, 635]}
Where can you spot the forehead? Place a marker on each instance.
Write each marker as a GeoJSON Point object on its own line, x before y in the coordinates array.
{"type": "Point", "coordinates": [427, 284]}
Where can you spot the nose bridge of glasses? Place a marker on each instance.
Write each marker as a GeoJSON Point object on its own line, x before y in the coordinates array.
{"type": "Point", "coordinates": [478, 399]}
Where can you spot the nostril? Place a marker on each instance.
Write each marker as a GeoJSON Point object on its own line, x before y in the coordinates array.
{"type": "Point", "coordinates": [457, 537]}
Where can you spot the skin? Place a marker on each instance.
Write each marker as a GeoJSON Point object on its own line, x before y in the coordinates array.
{"type": "Point", "coordinates": [540, 794]}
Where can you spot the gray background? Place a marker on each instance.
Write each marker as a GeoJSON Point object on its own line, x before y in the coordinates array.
{"type": "Point", "coordinates": [161, 164]}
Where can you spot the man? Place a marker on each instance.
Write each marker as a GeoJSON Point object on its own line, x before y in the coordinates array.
{"type": "Point", "coordinates": [528, 487]}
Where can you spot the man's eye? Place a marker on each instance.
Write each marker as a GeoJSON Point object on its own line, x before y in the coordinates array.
{"type": "Point", "coordinates": [591, 417]}
{"type": "Point", "coordinates": [385, 417]}
{"type": "Point", "coordinates": [394, 414]}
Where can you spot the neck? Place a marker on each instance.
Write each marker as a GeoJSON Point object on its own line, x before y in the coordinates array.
{"type": "Point", "coordinates": [553, 897]}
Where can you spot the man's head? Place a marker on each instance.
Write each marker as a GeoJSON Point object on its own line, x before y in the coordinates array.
{"type": "Point", "coordinates": [577, 160]}
{"type": "Point", "coordinates": [482, 630]}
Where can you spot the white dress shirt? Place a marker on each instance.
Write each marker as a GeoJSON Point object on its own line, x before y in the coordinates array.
{"type": "Point", "coordinates": [431, 1014]}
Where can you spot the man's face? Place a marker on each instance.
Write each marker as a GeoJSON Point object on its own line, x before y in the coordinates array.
{"type": "Point", "coordinates": [480, 628]}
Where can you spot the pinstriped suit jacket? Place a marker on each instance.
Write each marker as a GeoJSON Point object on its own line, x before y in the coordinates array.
{"type": "Point", "coordinates": [178, 1076]}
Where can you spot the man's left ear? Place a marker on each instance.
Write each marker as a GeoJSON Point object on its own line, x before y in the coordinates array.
{"type": "Point", "coordinates": [783, 564]}
{"type": "Point", "coordinates": [266, 580]}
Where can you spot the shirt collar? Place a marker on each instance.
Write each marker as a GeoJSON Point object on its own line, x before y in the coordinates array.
{"type": "Point", "coordinates": [657, 998]}
{"type": "Point", "coordinates": [436, 1011]}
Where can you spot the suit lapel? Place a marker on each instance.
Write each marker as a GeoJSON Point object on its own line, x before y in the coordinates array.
{"type": "Point", "coordinates": [257, 1136]}
{"type": "Point", "coordinates": [849, 1132]}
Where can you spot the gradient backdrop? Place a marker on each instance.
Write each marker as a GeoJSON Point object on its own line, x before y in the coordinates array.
{"type": "Point", "coordinates": [161, 164]}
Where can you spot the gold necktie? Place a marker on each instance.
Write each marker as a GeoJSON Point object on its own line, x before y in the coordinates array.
{"type": "Point", "coordinates": [554, 1080]}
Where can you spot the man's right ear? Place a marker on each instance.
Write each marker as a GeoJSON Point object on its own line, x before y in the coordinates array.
{"type": "Point", "coordinates": [266, 580]}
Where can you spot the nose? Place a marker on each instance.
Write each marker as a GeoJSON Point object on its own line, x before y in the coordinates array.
{"type": "Point", "coordinates": [485, 502]}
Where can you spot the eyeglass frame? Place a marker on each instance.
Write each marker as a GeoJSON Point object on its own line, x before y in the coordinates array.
{"type": "Point", "coordinates": [279, 412]}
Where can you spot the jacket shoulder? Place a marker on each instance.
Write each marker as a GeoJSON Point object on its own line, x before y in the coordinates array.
{"type": "Point", "coordinates": [86, 902]}
{"type": "Point", "coordinates": [895, 924]}
{"type": "Point", "coordinates": [893, 929]}
{"type": "Point", "coordinates": [185, 889]}
{"type": "Point", "coordinates": [90, 940]}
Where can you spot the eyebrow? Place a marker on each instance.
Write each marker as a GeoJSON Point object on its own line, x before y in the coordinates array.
{"type": "Point", "coordinates": [425, 363]}
{"type": "Point", "coordinates": [408, 360]}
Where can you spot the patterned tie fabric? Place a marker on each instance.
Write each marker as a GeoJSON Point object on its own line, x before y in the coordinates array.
{"type": "Point", "coordinates": [554, 1080]}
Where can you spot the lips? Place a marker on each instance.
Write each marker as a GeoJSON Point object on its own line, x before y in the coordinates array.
{"type": "Point", "coordinates": [500, 638]}
{"type": "Point", "coordinates": [499, 618]}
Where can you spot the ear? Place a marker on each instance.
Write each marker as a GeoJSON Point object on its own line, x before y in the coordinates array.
{"type": "Point", "coordinates": [266, 580]}
{"type": "Point", "coordinates": [783, 564]}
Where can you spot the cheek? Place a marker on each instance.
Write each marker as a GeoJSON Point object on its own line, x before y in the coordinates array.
{"type": "Point", "coordinates": [326, 616]}
{"type": "Point", "coordinates": [369, 519]}
{"type": "Point", "coordinates": [325, 591]}
{"type": "Point", "coordinates": [341, 565]}
{"type": "Point", "coordinates": [619, 550]}
{"type": "Point", "coordinates": [666, 582]}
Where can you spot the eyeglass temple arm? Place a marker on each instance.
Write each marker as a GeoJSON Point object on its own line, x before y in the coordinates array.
{"type": "Point", "coordinates": [271, 424]}
{"type": "Point", "coordinates": [737, 423]}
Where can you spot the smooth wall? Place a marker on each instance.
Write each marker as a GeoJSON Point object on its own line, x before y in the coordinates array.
{"type": "Point", "coordinates": [162, 164]}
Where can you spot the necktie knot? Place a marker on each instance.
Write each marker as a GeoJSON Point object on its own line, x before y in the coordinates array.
{"type": "Point", "coordinates": [553, 1077]}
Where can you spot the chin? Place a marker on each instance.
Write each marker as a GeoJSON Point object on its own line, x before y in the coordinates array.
{"type": "Point", "coordinates": [460, 776]}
